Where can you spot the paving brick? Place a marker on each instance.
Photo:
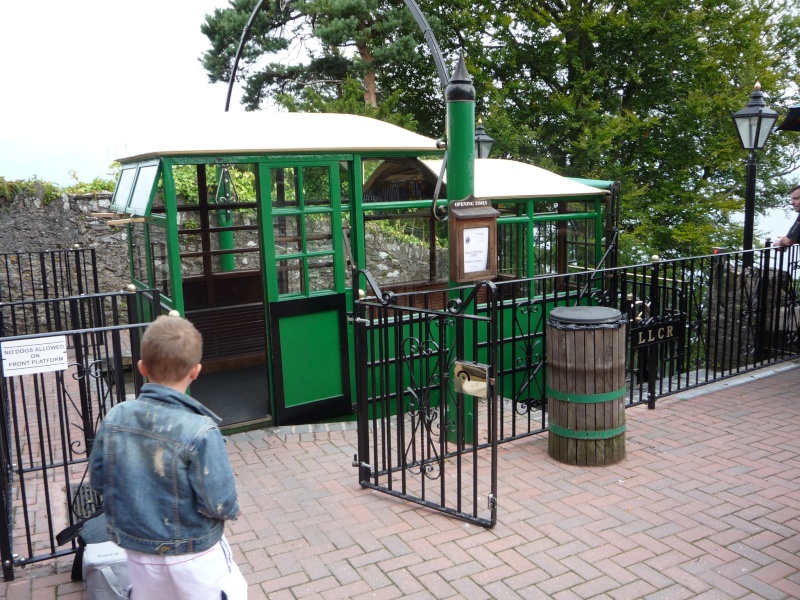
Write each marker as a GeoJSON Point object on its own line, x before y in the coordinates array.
{"type": "Point", "coordinates": [704, 506]}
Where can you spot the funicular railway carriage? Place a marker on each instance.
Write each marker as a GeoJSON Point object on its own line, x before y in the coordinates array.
{"type": "Point", "coordinates": [250, 226]}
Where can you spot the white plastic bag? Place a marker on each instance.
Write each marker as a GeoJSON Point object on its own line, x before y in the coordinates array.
{"type": "Point", "coordinates": [105, 571]}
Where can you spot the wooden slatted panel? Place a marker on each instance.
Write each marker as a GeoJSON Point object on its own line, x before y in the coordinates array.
{"type": "Point", "coordinates": [586, 362]}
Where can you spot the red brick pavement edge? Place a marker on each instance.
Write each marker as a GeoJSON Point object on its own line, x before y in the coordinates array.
{"type": "Point", "coordinates": [706, 505]}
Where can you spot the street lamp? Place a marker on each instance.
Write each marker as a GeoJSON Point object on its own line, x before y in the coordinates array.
{"type": "Point", "coordinates": [483, 143]}
{"type": "Point", "coordinates": [753, 123]}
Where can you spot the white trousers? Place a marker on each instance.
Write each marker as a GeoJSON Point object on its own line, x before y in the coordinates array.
{"type": "Point", "coordinates": [209, 575]}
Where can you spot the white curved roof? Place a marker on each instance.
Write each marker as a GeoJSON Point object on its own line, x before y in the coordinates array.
{"type": "Point", "coordinates": [500, 179]}
{"type": "Point", "coordinates": [268, 132]}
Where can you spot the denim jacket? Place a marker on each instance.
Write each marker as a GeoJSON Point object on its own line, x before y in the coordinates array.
{"type": "Point", "coordinates": [160, 463]}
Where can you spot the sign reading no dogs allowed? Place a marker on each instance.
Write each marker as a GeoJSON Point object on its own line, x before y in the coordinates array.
{"type": "Point", "coordinates": [24, 357]}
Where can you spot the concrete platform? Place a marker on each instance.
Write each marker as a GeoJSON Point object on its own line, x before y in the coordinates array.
{"type": "Point", "coordinates": [706, 505]}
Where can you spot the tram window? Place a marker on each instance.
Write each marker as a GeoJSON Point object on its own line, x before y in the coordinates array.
{"type": "Point", "coordinates": [564, 246]}
{"type": "Point", "coordinates": [318, 233]}
{"type": "Point", "coordinates": [344, 182]}
{"type": "Point", "coordinates": [284, 187]}
{"type": "Point", "coordinates": [287, 234]}
{"type": "Point", "coordinates": [123, 189]}
{"type": "Point", "coordinates": [316, 187]}
{"type": "Point", "coordinates": [290, 276]}
{"type": "Point", "coordinates": [159, 204]}
{"type": "Point", "coordinates": [405, 246]}
{"type": "Point", "coordinates": [320, 273]}
{"type": "Point", "coordinates": [143, 189]}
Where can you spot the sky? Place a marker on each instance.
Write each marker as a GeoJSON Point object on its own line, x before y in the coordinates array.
{"type": "Point", "coordinates": [75, 75]}
{"type": "Point", "coordinates": [71, 72]}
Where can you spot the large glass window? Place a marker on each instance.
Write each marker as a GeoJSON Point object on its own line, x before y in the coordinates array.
{"type": "Point", "coordinates": [123, 190]}
{"type": "Point", "coordinates": [134, 188]}
{"type": "Point", "coordinates": [142, 190]}
{"type": "Point", "coordinates": [405, 246]}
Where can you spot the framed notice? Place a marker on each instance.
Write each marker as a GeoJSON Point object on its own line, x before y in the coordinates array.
{"type": "Point", "coordinates": [473, 240]}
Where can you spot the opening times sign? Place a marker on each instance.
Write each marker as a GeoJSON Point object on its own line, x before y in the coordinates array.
{"type": "Point", "coordinates": [40, 355]}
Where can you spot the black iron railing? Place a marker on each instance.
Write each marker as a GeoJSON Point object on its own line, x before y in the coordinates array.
{"type": "Point", "coordinates": [690, 322]}
{"type": "Point", "coordinates": [49, 417]}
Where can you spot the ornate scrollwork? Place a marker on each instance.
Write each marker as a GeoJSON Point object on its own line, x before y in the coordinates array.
{"type": "Point", "coordinates": [101, 373]}
{"type": "Point", "coordinates": [421, 455]}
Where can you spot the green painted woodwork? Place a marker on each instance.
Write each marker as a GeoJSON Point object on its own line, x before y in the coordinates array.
{"type": "Point", "coordinates": [312, 364]}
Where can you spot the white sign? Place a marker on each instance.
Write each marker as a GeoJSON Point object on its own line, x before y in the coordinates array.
{"type": "Point", "coordinates": [23, 357]}
{"type": "Point", "coordinates": [476, 249]}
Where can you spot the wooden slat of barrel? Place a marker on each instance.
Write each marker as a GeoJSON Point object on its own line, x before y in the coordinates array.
{"type": "Point", "coordinates": [586, 362]}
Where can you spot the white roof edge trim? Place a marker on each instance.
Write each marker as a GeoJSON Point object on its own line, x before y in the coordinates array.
{"type": "Point", "coordinates": [264, 132]}
{"type": "Point", "coordinates": [501, 179]}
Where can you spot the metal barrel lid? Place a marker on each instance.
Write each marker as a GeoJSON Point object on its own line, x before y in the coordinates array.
{"type": "Point", "coordinates": [584, 315]}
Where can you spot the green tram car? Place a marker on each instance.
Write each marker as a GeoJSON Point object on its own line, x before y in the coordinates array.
{"type": "Point", "coordinates": [251, 226]}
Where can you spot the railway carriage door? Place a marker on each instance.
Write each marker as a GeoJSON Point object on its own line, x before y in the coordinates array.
{"type": "Point", "coordinates": [306, 290]}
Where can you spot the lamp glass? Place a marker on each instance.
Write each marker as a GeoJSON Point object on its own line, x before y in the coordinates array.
{"type": "Point", "coordinates": [484, 147]}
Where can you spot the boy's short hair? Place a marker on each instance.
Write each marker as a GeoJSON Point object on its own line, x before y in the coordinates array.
{"type": "Point", "coordinates": [171, 347]}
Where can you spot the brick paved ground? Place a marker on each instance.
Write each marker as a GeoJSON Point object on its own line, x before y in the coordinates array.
{"type": "Point", "coordinates": [706, 505]}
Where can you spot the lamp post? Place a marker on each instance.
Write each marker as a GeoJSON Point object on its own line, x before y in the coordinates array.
{"type": "Point", "coordinates": [483, 143]}
{"type": "Point", "coordinates": [753, 123]}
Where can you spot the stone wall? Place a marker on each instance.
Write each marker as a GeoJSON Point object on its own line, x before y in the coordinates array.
{"type": "Point", "coordinates": [30, 225]}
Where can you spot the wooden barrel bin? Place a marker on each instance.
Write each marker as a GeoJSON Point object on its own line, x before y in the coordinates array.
{"type": "Point", "coordinates": [586, 385]}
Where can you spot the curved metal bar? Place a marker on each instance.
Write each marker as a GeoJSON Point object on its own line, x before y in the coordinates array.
{"type": "Point", "coordinates": [416, 12]}
{"type": "Point", "coordinates": [240, 49]}
{"type": "Point", "coordinates": [433, 45]}
{"type": "Point", "coordinates": [385, 298]}
{"type": "Point", "coordinates": [456, 306]}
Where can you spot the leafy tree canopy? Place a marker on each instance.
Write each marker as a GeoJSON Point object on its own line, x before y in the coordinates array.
{"type": "Point", "coordinates": [640, 91]}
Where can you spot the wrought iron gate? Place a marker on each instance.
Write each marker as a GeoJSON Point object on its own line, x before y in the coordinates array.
{"type": "Point", "coordinates": [427, 404]}
{"type": "Point", "coordinates": [48, 419]}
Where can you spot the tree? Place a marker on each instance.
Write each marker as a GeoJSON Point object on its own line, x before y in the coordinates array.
{"type": "Point", "coordinates": [639, 91]}
{"type": "Point", "coordinates": [642, 91]}
{"type": "Point", "coordinates": [317, 47]}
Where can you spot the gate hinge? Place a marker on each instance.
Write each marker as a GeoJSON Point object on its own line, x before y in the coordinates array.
{"type": "Point", "coordinates": [492, 502]}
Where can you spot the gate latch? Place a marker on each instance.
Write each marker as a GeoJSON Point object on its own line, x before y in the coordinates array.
{"type": "Point", "coordinates": [360, 465]}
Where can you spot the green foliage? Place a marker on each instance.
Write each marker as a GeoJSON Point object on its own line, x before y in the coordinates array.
{"type": "Point", "coordinates": [639, 91]}
{"type": "Point", "coordinates": [98, 184]}
{"type": "Point", "coordinates": [33, 188]}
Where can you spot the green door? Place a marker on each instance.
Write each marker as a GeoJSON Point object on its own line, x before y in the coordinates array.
{"type": "Point", "coordinates": [306, 293]}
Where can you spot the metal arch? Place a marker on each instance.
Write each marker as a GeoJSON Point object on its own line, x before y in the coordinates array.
{"type": "Point", "coordinates": [240, 49]}
{"type": "Point", "coordinates": [412, 6]}
{"type": "Point", "coordinates": [433, 45]}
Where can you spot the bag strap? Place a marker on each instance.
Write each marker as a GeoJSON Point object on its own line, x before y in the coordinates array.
{"type": "Point", "coordinates": [112, 580]}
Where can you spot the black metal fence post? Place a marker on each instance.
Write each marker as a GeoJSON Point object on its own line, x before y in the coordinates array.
{"type": "Point", "coordinates": [652, 353]}
{"type": "Point", "coordinates": [6, 479]}
{"type": "Point", "coordinates": [763, 306]}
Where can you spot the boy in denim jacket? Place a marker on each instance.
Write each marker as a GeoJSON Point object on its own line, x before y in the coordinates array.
{"type": "Point", "coordinates": [167, 485]}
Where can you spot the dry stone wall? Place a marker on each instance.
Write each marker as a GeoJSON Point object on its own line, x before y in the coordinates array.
{"type": "Point", "coordinates": [28, 224]}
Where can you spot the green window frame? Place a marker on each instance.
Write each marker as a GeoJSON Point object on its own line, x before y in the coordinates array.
{"type": "Point", "coordinates": [305, 233]}
{"type": "Point", "coordinates": [136, 187]}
